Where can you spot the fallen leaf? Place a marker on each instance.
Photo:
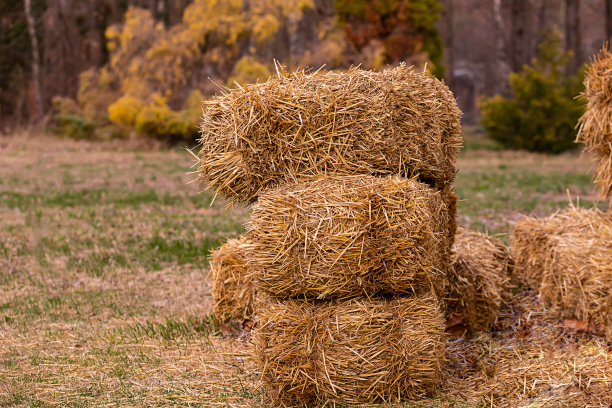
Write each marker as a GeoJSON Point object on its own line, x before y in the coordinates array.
{"type": "Point", "coordinates": [225, 329]}
{"type": "Point", "coordinates": [247, 324]}
{"type": "Point", "coordinates": [582, 326]}
{"type": "Point", "coordinates": [454, 319]}
{"type": "Point", "coordinates": [455, 325]}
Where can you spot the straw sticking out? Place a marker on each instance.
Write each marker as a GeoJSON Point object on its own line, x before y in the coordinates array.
{"type": "Point", "coordinates": [478, 279]}
{"type": "Point", "coordinates": [232, 288]}
{"type": "Point", "coordinates": [339, 123]}
{"type": "Point", "coordinates": [349, 352]}
{"type": "Point", "coordinates": [530, 361]}
{"type": "Point", "coordinates": [566, 258]}
{"type": "Point", "coordinates": [335, 237]}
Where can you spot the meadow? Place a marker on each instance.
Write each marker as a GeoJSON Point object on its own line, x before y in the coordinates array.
{"type": "Point", "coordinates": [104, 293]}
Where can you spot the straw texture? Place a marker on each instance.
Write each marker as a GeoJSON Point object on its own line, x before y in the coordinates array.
{"type": "Point", "coordinates": [349, 352]}
{"type": "Point", "coordinates": [596, 124]}
{"type": "Point", "coordinates": [567, 259]}
{"type": "Point", "coordinates": [336, 237]}
{"type": "Point", "coordinates": [397, 121]}
{"type": "Point", "coordinates": [478, 279]}
{"type": "Point", "coordinates": [530, 360]}
{"type": "Point", "coordinates": [449, 197]}
{"type": "Point", "coordinates": [233, 291]}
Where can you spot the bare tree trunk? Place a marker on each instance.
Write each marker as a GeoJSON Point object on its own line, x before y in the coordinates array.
{"type": "Point", "coordinates": [445, 25]}
{"type": "Point", "coordinates": [518, 55]}
{"type": "Point", "coordinates": [501, 62]}
{"type": "Point", "coordinates": [572, 32]}
{"type": "Point", "coordinates": [94, 36]}
{"type": "Point", "coordinates": [608, 19]}
{"type": "Point", "coordinates": [38, 100]}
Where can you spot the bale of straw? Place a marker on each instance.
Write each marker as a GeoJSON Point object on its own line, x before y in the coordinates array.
{"type": "Point", "coordinates": [595, 129]}
{"type": "Point", "coordinates": [567, 259]}
{"type": "Point", "coordinates": [233, 291]}
{"type": "Point", "coordinates": [330, 237]}
{"type": "Point", "coordinates": [478, 279]}
{"type": "Point", "coordinates": [349, 351]}
{"type": "Point", "coordinates": [449, 197]}
{"type": "Point", "coordinates": [397, 121]}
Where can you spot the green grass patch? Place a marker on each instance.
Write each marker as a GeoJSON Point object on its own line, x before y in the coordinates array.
{"type": "Point", "coordinates": [515, 188]}
{"type": "Point", "coordinates": [171, 328]}
{"type": "Point", "coordinates": [119, 198]}
{"type": "Point", "coordinates": [70, 305]}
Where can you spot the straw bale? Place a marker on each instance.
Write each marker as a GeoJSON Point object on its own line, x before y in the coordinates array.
{"type": "Point", "coordinates": [530, 361]}
{"type": "Point", "coordinates": [233, 291]}
{"type": "Point", "coordinates": [330, 237]}
{"type": "Point", "coordinates": [349, 351]}
{"type": "Point", "coordinates": [300, 124]}
{"type": "Point", "coordinates": [450, 199]}
{"type": "Point", "coordinates": [478, 279]}
{"type": "Point", "coordinates": [567, 259]}
{"type": "Point", "coordinates": [595, 129]}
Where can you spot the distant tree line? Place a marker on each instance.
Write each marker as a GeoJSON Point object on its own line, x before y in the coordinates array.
{"type": "Point", "coordinates": [70, 37]}
{"type": "Point", "coordinates": [143, 65]}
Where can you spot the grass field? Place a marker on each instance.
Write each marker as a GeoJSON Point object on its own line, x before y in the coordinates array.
{"type": "Point", "coordinates": [104, 295]}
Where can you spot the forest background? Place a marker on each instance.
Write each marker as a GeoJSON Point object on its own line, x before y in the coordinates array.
{"type": "Point", "coordinates": [111, 68]}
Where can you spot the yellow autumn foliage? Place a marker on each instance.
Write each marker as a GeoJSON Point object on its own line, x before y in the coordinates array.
{"type": "Point", "coordinates": [150, 64]}
{"type": "Point", "coordinates": [248, 70]}
{"type": "Point", "coordinates": [124, 110]}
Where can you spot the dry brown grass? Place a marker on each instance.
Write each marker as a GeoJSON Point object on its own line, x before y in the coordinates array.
{"type": "Point", "coordinates": [478, 279]}
{"type": "Point", "coordinates": [104, 296]}
{"type": "Point", "coordinates": [530, 360]}
{"type": "Point", "coordinates": [596, 123]}
{"type": "Point", "coordinates": [566, 258]}
{"type": "Point", "coordinates": [349, 352]}
{"type": "Point", "coordinates": [233, 291]}
{"type": "Point", "coordinates": [396, 121]}
{"type": "Point", "coordinates": [330, 237]}
{"type": "Point", "coordinates": [104, 299]}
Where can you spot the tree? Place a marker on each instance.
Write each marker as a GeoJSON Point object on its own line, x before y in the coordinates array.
{"type": "Point", "coordinates": [404, 27]}
{"type": "Point", "coordinates": [38, 101]}
{"type": "Point", "coordinates": [543, 112]}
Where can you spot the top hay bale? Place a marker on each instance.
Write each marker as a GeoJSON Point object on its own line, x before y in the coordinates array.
{"type": "Point", "coordinates": [397, 121]}
{"type": "Point", "coordinates": [596, 123]}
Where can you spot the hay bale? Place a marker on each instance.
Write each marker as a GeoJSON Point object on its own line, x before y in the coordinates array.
{"type": "Point", "coordinates": [595, 129]}
{"type": "Point", "coordinates": [449, 197]}
{"type": "Point", "coordinates": [233, 291]}
{"type": "Point", "coordinates": [478, 279]}
{"type": "Point", "coordinates": [567, 259]}
{"type": "Point", "coordinates": [330, 237]}
{"type": "Point", "coordinates": [349, 351]}
{"type": "Point", "coordinates": [397, 121]}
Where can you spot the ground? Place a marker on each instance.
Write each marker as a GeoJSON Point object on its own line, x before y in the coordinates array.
{"type": "Point", "coordinates": [104, 293]}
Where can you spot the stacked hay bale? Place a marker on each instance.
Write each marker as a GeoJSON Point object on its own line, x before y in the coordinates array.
{"type": "Point", "coordinates": [349, 351]}
{"type": "Point", "coordinates": [351, 232]}
{"type": "Point", "coordinates": [397, 121]}
{"type": "Point", "coordinates": [337, 237]}
{"type": "Point", "coordinates": [567, 259]}
{"type": "Point", "coordinates": [596, 123]}
{"type": "Point", "coordinates": [351, 267]}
